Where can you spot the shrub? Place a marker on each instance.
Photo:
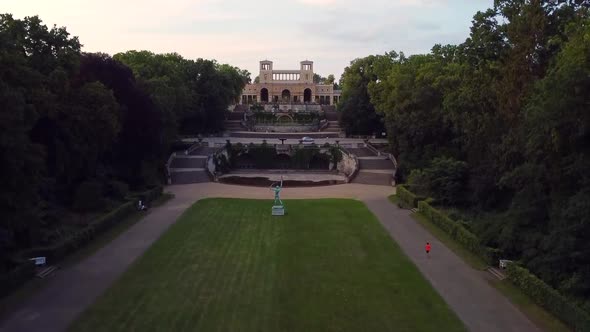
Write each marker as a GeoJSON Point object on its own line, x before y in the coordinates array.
{"type": "Point", "coordinates": [263, 155]}
{"type": "Point", "coordinates": [548, 298]}
{"type": "Point", "coordinates": [407, 196]}
{"type": "Point", "coordinates": [419, 182]}
{"type": "Point", "coordinates": [302, 156]}
{"type": "Point", "coordinates": [447, 179]}
{"type": "Point", "coordinates": [444, 178]}
{"type": "Point", "coordinates": [117, 189]}
{"type": "Point", "coordinates": [335, 155]}
{"type": "Point", "coordinates": [89, 197]}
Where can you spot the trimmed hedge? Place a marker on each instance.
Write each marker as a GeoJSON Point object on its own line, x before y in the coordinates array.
{"type": "Point", "coordinates": [16, 277]}
{"type": "Point", "coordinates": [454, 229]}
{"type": "Point", "coordinates": [532, 286]}
{"type": "Point", "coordinates": [459, 233]}
{"type": "Point", "coordinates": [407, 196]}
{"type": "Point", "coordinates": [57, 251]}
{"type": "Point", "coordinates": [148, 196]}
{"type": "Point", "coordinates": [548, 298]}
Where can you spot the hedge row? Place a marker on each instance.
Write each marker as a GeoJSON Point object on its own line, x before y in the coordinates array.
{"type": "Point", "coordinates": [534, 287]}
{"type": "Point", "coordinates": [407, 196]}
{"type": "Point", "coordinates": [57, 251]}
{"type": "Point", "coordinates": [459, 233]}
{"type": "Point", "coordinates": [547, 297]}
{"type": "Point", "coordinates": [149, 195]}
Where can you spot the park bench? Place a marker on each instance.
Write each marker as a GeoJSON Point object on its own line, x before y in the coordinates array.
{"type": "Point", "coordinates": [43, 270]}
{"type": "Point", "coordinates": [498, 273]}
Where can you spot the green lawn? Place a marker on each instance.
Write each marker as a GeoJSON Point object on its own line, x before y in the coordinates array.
{"type": "Point", "coordinates": [227, 265]}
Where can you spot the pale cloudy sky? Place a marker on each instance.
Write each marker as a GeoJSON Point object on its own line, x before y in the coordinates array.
{"type": "Point", "coordinates": [241, 32]}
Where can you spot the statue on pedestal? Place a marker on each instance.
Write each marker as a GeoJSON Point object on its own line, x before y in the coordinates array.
{"type": "Point", "coordinates": [277, 191]}
{"type": "Point", "coordinates": [278, 208]}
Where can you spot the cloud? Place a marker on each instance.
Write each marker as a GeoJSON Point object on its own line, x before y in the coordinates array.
{"type": "Point", "coordinates": [422, 3]}
{"type": "Point", "coordinates": [329, 32]}
{"type": "Point", "coordinates": [320, 3]}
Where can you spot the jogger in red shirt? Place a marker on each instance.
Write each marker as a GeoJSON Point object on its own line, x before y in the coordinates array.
{"type": "Point", "coordinates": [427, 247]}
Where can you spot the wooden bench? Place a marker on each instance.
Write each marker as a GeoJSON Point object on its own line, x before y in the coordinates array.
{"type": "Point", "coordinates": [43, 270]}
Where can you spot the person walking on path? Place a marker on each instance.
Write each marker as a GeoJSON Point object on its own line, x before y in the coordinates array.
{"type": "Point", "coordinates": [427, 247]}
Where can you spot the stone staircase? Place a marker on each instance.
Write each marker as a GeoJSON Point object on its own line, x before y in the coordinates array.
{"type": "Point", "coordinates": [190, 168]}
{"type": "Point", "coordinates": [332, 117]}
{"type": "Point", "coordinates": [233, 125]}
{"type": "Point", "coordinates": [234, 119]}
{"type": "Point", "coordinates": [373, 169]}
{"type": "Point", "coordinates": [333, 127]}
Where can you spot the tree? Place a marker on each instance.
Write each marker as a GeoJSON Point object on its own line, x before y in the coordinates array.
{"type": "Point", "coordinates": [330, 79]}
{"type": "Point", "coordinates": [192, 96]}
{"type": "Point", "coordinates": [140, 143]}
{"type": "Point", "coordinates": [409, 97]}
{"type": "Point", "coordinates": [358, 115]}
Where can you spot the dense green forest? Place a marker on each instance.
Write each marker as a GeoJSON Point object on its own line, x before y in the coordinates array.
{"type": "Point", "coordinates": [78, 130]}
{"type": "Point", "coordinates": [497, 130]}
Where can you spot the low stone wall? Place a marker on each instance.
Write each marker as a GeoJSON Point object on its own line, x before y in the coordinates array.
{"type": "Point", "coordinates": [286, 129]}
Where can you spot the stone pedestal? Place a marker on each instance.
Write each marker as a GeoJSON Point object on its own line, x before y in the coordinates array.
{"type": "Point", "coordinates": [278, 210]}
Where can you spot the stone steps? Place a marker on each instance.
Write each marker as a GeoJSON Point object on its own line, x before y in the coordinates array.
{"type": "Point", "coordinates": [188, 162]}
{"type": "Point", "coordinates": [233, 125]}
{"type": "Point", "coordinates": [203, 151]}
{"type": "Point", "coordinates": [187, 177]}
{"type": "Point", "coordinates": [331, 115]}
{"type": "Point", "coordinates": [379, 179]}
{"type": "Point", "coordinates": [362, 152]}
{"type": "Point", "coordinates": [375, 164]}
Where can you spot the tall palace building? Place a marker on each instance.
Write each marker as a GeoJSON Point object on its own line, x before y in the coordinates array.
{"type": "Point", "coordinates": [289, 87]}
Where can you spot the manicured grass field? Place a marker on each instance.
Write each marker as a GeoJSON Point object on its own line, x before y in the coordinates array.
{"type": "Point", "coordinates": [227, 265]}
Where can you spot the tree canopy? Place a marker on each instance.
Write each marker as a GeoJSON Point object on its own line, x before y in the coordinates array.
{"type": "Point", "coordinates": [497, 127]}
{"type": "Point", "coordinates": [75, 125]}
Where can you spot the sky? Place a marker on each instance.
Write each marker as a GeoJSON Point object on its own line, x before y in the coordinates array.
{"type": "Point", "coordinates": [329, 32]}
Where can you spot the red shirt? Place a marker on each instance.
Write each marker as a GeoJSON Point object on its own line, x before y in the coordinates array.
{"type": "Point", "coordinates": [428, 247]}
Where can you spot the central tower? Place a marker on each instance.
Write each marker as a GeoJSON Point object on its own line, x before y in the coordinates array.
{"type": "Point", "coordinates": [265, 71]}
{"type": "Point", "coordinates": [307, 71]}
